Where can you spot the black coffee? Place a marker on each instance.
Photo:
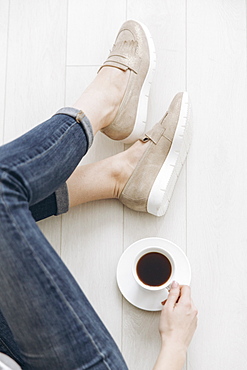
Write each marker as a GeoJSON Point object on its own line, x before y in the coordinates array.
{"type": "Point", "coordinates": [154, 269]}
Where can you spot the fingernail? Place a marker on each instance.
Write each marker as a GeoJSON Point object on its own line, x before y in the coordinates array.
{"type": "Point", "coordinates": [174, 284]}
{"type": "Point", "coordinates": [164, 302]}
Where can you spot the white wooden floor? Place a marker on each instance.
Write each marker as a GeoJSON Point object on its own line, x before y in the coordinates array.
{"type": "Point", "coordinates": [50, 50]}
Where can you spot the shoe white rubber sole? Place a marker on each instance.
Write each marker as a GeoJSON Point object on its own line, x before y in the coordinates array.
{"type": "Point", "coordinates": [142, 109]}
{"type": "Point", "coordinates": [164, 184]}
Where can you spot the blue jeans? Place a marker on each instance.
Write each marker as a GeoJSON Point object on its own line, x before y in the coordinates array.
{"type": "Point", "coordinates": [46, 320]}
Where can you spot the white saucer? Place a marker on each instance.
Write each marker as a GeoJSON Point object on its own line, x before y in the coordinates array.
{"type": "Point", "coordinates": [136, 295]}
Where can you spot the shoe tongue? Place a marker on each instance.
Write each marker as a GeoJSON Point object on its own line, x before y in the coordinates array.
{"type": "Point", "coordinates": [126, 49]}
{"type": "Point", "coordinates": [123, 56]}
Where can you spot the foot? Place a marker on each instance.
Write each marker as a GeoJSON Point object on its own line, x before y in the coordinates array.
{"type": "Point", "coordinates": [134, 51]}
{"type": "Point", "coordinates": [103, 95]}
{"type": "Point", "coordinates": [116, 101]}
{"type": "Point", "coordinates": [112, 174]}
{"type": "Point", "coordinates": [151, 184]}
{"type": "Point", "coordinates": [124, 165]}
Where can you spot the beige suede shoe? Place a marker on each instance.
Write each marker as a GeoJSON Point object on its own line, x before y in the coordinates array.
{"type": "Point", "coordinates": [150, 187]}
{"type": "Point", "coordinates": [133, 50]}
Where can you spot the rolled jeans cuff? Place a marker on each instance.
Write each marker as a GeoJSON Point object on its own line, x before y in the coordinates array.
{"type": "Point", "coordinates": [54, 205]}
{"type": "Point", "coordinates": [61, 194]}
{"type": "Point", "coordinates": [82, 119]}
{"type": "Point", "coordinates": [62, 199]}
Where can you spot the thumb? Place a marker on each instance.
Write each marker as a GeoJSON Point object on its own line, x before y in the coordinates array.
{"type": "Point", "coordinates": [173, 295]}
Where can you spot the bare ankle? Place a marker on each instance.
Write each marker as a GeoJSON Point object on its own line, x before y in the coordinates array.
{"type": "Point", "coordinates": [101, 100]}
{"type": "Point", "coordinates": [125, 164]}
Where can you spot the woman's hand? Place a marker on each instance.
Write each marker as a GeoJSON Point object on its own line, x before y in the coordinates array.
{"type": "Point", "coordinates": [178, 319]}
{"type": "Point", "coordinates": [178, 323]}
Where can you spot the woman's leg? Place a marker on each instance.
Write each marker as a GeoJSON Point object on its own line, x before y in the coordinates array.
{"type": "Point", "coordinates": [57, 328]}
{"type": "Point", "coordinates": [52, 322]}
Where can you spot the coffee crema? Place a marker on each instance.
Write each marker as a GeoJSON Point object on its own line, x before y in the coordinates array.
{"type": "Point", "coordinates": [154, 269]}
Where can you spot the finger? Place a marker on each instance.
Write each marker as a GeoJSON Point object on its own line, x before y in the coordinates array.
{"type": "Point", "coordinates": [185, 295]}
{"type": "Point", "coordinates": [173, 295]}
{"type": "Point", "coordinates": [164, 302]}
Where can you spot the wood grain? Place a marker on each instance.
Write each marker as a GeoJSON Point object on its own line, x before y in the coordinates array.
{"type": "Point", "coordinates": [217, 181]}
{"type": "Point", "coordinates": [36, 63]}
{"type": "Point", "coordinates": [92, 28]}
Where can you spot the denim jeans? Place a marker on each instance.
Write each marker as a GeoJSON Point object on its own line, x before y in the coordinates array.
{"type": "Point", "coordinates": [54, 205]}
{"type": "Point", "coordinates": [46, 320]}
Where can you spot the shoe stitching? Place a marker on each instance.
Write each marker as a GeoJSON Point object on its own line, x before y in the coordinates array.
{"type": "Point", "coordinates": [167, 138]}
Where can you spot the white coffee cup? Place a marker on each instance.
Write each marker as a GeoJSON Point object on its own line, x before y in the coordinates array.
{"type": "Point", "coordinates": [153, 268]}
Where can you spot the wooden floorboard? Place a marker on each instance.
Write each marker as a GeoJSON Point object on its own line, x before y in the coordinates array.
{"type": "Point", "coordinates": [216, 181]}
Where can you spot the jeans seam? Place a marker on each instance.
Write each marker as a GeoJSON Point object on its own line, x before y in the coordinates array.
{"type": "Point", "coordinates": [47, 274]}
